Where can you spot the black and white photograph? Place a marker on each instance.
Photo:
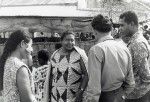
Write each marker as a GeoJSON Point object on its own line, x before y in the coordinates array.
{"type": "Point", "coordinates": [74, 50]}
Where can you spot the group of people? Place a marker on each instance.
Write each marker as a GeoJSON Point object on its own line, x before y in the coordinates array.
{"type": "Point", "coordinates": [115, 70]}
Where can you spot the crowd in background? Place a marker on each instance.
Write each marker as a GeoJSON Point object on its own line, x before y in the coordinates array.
{"type": "Point", "coordinates": [80, 36]}
{"type": "Point", "coordinates": [116, 68]}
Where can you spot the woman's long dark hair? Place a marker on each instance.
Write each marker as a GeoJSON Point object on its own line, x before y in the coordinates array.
{"type": "Point", "coordinates": [10, 46]}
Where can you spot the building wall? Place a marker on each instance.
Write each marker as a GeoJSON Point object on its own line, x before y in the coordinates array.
{"type": "Point", "coordinates": [48, 26]}
{"type": "Point", "coordinates": [44, 24]}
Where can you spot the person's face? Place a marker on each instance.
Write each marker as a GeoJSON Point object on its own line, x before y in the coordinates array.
{"type": "Point", "coordinates": [26, 49]}
{"type": "Point", "coordinates": [125, 29]}
{"type": "Point", "coordinates": [68, 42]}
{"type": "Point", "coordinates": [35, 61]}
{"type": "Point", "coordinates": [96, 35]}
{"type": "Point", "coordinates": [41, 61]}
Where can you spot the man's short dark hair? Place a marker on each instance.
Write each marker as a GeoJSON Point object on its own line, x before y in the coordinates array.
{"type": "Point", "coordinates": [101, 24]}
{"type": "Point", "coordinates": [129, 17]}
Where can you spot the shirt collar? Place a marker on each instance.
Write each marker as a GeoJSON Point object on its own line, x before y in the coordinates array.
{"type": "Point", "coordinates": [109, 37]}
{"type": "Point", "coordinates": [133, 38]}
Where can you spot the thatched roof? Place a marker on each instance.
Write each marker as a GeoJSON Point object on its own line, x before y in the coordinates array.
{"type": "Point", "coordinates": [64, 9]}
{"type": "Point", "coordinates": [46, 8]}
{"type": "Point", "coordinates": [115, 7]}
{"type": "Point", "coordinates": [46, 11]}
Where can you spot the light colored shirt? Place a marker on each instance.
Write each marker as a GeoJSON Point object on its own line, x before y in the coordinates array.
{"type": "Point", "coordinates": [140, 51]}
{"type": "Point", "coordinates": [109, 65]}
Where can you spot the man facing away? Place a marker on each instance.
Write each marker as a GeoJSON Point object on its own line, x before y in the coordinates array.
{"type": "Point", "coordinates": [110, 66]}
{"type": "Point", "coordinates": [140, 51]}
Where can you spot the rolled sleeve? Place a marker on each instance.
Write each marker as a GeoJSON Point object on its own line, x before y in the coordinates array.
{"type": "Point", "coordinates": [94, 71]}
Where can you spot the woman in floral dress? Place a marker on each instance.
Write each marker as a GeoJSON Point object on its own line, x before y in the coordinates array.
{"type": "Point", "coordinates": [40, 74]}
{"type": "Point", "coordinates": [16, 75]}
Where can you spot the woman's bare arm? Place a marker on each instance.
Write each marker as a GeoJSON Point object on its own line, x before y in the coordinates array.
{"type": "Point", "coordinates": [24, 86]}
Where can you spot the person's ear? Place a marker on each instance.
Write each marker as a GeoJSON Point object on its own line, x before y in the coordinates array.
{"type": "Point", "coordinates": [22, 44]}
{"type": "Point", "coordinates": [132, 24]}
{"type": "Point", "coordinates": [95, 31]}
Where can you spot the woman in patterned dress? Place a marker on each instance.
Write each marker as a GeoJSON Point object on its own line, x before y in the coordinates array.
{"type": "Point", "coordinates": [68, 78]}
{"type": "Point", "coordinates": [15, 73]}
{"type": "Point", "coordinates": [40, 73]}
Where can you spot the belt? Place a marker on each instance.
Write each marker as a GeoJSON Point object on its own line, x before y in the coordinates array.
{"type": "Point", "coordinates": [113, 91]}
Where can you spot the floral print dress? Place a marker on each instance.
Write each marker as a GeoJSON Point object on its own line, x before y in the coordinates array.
{"type": "Point", "coordinates": [10, 89]}
{"type": "Point", "coordinates": [39, 77]}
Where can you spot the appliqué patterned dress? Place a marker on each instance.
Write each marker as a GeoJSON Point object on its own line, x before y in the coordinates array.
{"type": "Point", "coordinates": [67, 76]}
{"type": "Point", "coordinates": [11, 92]}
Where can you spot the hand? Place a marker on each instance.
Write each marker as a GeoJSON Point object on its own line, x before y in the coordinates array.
{"type": "Point", "coordinates": [123, 97]}
{"type": "Point", "coordinates": [29, 60]}
{"type": "Point", "coordinates": [79, 96]}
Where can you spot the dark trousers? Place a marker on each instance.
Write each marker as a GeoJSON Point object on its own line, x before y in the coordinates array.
{"type": "Point", "coordinates": [145, 98]}
{"type": "Point", "coordinates": [112, 96]}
